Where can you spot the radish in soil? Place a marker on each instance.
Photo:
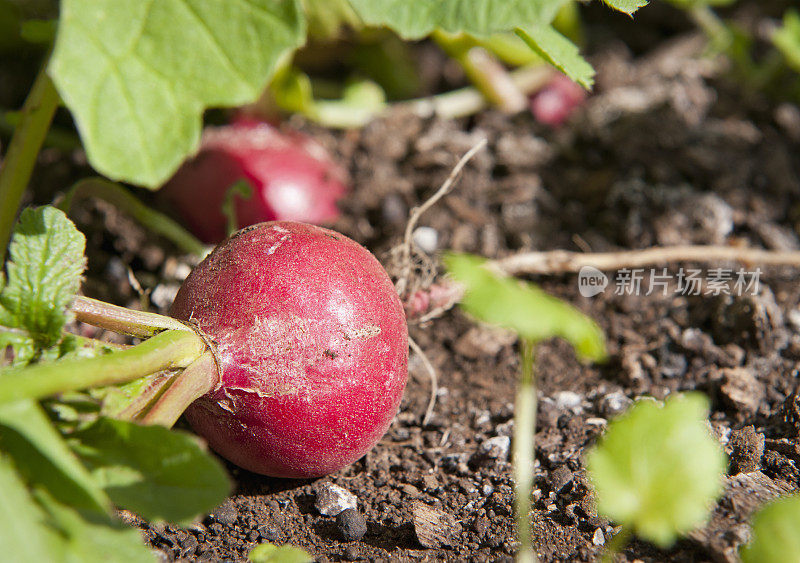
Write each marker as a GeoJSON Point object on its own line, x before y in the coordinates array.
{"type": "Point", "coordinates": [553, 104]}
{"type": "Point", "coordinates": [288, 352]}
{"type": "Point", "coordinates": [292, 178]}
{"type": "Point", "coordinates": [312, 346]}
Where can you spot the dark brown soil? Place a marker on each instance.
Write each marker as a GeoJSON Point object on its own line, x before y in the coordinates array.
{"type": "Point", "coordinates": [665, 152]}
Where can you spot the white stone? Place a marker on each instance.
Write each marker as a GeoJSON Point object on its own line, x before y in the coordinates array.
{"type": "Point", "coordinates": [598, 538]}
{"type": "Point", "coordinates": [426, 238]}
{"type": "Point", "coordinates": [496, 448]}
{"type": "Point", "coordinates": [333, 499]}
{"type": "Point", "coordinates": [568, 400]}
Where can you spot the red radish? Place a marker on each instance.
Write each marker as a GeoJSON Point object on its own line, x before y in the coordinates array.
{"type": "Point", "coordinates": [293, 178]}
{"type": "Point", "coordinates": [554, 103]}
{"type": "Point", "coordinates": [313, 347]}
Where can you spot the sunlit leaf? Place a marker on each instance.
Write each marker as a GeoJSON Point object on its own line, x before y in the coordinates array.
{"type": "Point", "coordinates": [775, 538]}
{"type": "Point", "coordinates": [138, 75]}
{"type": "Point", "coordinates": [658, 470]}
{"type": "Point", "coordinates": [155, 472]}
{"type": "Point", "coordinates": [559, 52]}
{"type": "Point", "coordinates": [269, 553]}
{"type": "Point", "coordinates": [43, 274]}
{"type": "Point", "coordinates": [523, 307]}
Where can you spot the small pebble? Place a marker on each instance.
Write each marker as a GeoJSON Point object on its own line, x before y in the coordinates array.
{"type": "Point", "coordinates": [434, 528]}
{"type": "Point", "coordinates": [333, 499]}
{"type": "Point", "coordinates": [351, 553]}
{"type": "Point", "coordinates": [430, 483]}
{"type": "Point", "coordinates": [351, 524]}
{"type": "Point", "coordinates": [568, 400]}
{"type": "Point", "coordinates": [495, 448]}
{"type": "Point", "coordinates": [794, 319]}
{"type": "Point", "coordinates": [560, 477]}
{"type": "Point", "coordinates": [614, 404]}
{"type": "Point", "coordinates": [226, 514]}
{"type": "Point", "coordinates": [741, 389]}
{"type": "Point", "coordinates": [164, 294]}
{"type": "Point", "coordinates": [598, 538]}
{"type": "Point", "coordinates": [426, 238]}
{"type": "Point", "coordinates": [505, 429]}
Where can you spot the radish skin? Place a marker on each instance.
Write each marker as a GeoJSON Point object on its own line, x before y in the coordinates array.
{"type": "Point", "coordinates": [312, 343]}
{"type": "Point", "coordinates": [292, 177]}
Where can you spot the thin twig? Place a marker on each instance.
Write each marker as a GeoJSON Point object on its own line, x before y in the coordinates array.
{"type": "Point", "coordinates": [417, 212]}
{"type": "Point", "coordinates": [434, 379]}
{"type": "Point", "coordinates": [562, 261]}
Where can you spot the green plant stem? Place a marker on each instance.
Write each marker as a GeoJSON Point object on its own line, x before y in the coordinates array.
{"type": "Point", "coordinates": [57, 137]}
{"type": "Point", "coordinates": [191, 384]}
{"type": "Point", "coordinates": [617, 543]}
{"type": "Point", "coordinates": [151, 219]}
{"type": "Point", "coordinates": [483, 70]}
{"type": "Point", "coordinates": [524, 450]}
{"type": "Point", "coordinates": [449, 105]}
{"type": "Point", "coordinates": [124, 321]}
{"type": "Point", "coordinates": [468, 101]}
{"type": "Point", "coordinates": [241, 188]}
{"type": "Point", "coordinates": [36, 115]}
{"type": "Point", "coordinates": [169, 349]}
{"type": "Point", "coordinates": [156, 385]}
{"type": "Point", "coordinates": [715, 29]}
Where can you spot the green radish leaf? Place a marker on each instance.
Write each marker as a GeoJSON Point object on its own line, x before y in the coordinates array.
{"type": "Point", "coordinates": [559, 52]}
{"type": "Point", "coordinates": [45, 460]}
{"type": "Point", "coordinates": [269, 553]}
{"type": "Point", "coordinates": [157, 473]}
{"type": "Point", "coordinates": [39, 528]}
{"type": "Point", "coordinates": [138, 75]}
{"type": "Point", "coordinates": [20, 342]}
{"type": "Point", "coordinates": [774, 536]}
{"type": "Point", "coordinates": [43, 275]}
{"type": "Point", "coordinates": [626, 6]}
{"type": "Point", "coordinates": [658, 470]}
{"type": "Point", "coordinates": [787, 38]}
{"type": "Point", "coordinates": [327, 18]}
{"type": "Point", "coordinates": [93, 540]}
{"type": "Point", "coordinates": [24, 533]}
{"type": "Point", "coordinates": [414, 19]}
{"type": "Point", "coordinates": [510, 49]}
{"type": "Point", "coordinates": [523, 307]}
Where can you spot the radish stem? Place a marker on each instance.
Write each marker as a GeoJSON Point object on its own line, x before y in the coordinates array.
{"type": "Point", "coordinates": [169, 349]}
{"type": "Point", "coordinates": [192, 383]}
{"type": "Point", "coordinates": [121, 320]}
{"type": "Point", "coordinates": [484, 71]}
{"type": "Point", "coordinates": [159, 381]}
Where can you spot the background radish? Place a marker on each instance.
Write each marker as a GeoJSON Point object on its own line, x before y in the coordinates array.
{"type": "Point", "coordinates": [313, 346]}
{"type": "Point", "coordinates": [292, 177]}
{"type": "Point", "coordinates": [553, 104]}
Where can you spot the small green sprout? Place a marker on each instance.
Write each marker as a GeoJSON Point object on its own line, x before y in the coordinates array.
{"type": "Point", "coordinates": [270, 553]}
{"type": "Point", "coordinates": [658, 470]}
{"type": "Point", "coordinates": [775, 538]}
{"type": "Point", "coordinates": [523, 307]}
{"type": "Point", "coordinates": [534, 316]}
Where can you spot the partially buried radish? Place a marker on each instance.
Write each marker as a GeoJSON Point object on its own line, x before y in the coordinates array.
{"type": "Point", "coordinates": [292, 178]}
{"type": "Point", "coordinates": [312, 343]}
{"type": "Point", "coordinates": [559, 99]}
